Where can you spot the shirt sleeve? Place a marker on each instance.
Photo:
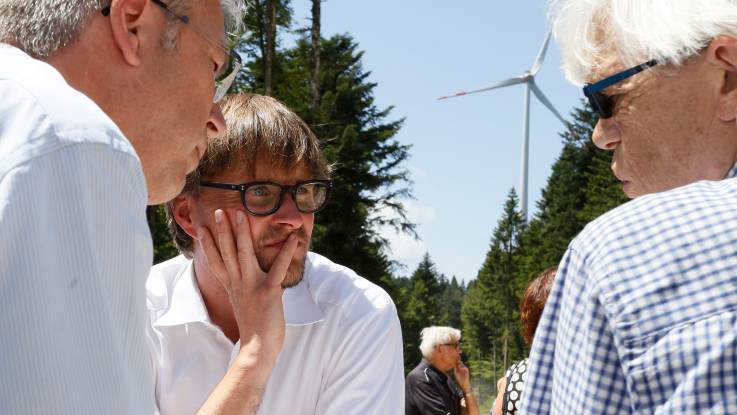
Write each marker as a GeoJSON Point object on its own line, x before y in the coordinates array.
{"type": "Point", "coordinates": [154, 348]}
{"type": "Point", "coordinates": [366, 374]}
{"type": "Point", "coordinates": [74, 254]}
{"type": "Point", "coordinates": [574, 366]}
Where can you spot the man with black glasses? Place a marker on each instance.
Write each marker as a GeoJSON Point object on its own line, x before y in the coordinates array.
{"type": "Point", "coordinates": [105, 106]}
{"type": "Point", "coordinates": [342, 345]}
{"type": "Point", "coordinates": [642, 317]}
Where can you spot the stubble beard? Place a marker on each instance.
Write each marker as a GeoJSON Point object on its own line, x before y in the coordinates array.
{"type": "Point", "coordinates": [296, 269]}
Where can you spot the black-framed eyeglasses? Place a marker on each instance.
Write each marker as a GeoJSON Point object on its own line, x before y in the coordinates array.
{"type": "Point", "coordinates": [604, 104]}
{"type": "Point", "coordinates": [264, 198]}
{"type": "Point", "coordinates": [227, 74]}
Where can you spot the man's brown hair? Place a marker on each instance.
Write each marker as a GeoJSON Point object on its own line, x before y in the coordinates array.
{"type": "Point", "coordinates": [261, 129]}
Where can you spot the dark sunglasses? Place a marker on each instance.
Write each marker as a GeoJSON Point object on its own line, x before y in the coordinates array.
{"type": "Point", "coordinates": [265, 198]}
{"type": "Point", "coordinates": [602, 103]}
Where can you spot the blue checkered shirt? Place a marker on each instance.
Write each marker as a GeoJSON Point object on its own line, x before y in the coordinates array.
{"type": "Point", "coordinates": [642, 317]}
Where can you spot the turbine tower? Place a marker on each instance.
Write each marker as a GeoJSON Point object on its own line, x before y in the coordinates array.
{"type": "Point", "coordinates": [527, 78]}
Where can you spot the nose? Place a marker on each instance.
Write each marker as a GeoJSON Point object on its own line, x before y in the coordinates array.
{"type": "Point", "coordinates": [288, 215]}
{"type": "Point", "coordinates": [606, 134]}
{"type": "Point", "coordinates": [215, 122]}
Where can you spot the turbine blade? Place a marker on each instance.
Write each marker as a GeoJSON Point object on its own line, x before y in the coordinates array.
{"type": "Point", "coordinates": [539, 94]}
{"type": "Point", "coordinates": [540, 56]}
{"type": "Point", "coordinates": [506, 82]}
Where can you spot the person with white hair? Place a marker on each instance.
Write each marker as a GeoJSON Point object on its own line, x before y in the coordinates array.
{"type": "Point", "coordinates": [642, 316]}
{"type": "Point", "coordinates": [428, 389]}
{"type": "Point", "coordinates": [106, 106]}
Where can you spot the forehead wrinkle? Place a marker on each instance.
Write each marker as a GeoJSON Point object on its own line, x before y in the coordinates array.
{"type": "Point", "coordinates": [609, 63]}
{"type": "Point", "coordinates": [284, 175]}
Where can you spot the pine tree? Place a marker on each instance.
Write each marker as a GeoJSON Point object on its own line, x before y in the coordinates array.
{"type": "Point", "coordinates": [490, 309]}
{"type": "Point", "coordinates": [369, 177]}
{"type": "Point", "coordinates": [164, 247]}
{"type": "Point", "coordinates": [264, 21]}
{"type": "Point", "coordinates": [451, 300]}
{"type": "Point", "coordinates": [420, 307]}
{"type": "Point", "coordinates": [315, 39]}
{"type": "Point", "coordinates": [579, 189]}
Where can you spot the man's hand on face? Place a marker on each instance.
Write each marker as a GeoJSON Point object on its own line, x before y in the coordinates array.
{"type": "Point", "coordinates": [463, 376]}
{"type": "Point", "coordinates": [256, 296]}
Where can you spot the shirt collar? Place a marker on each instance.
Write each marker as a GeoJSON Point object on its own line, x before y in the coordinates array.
{"type": "Point", "coordinates": [432, 368]}
{"type": "Point", "coordinates": [187, 305]}
{"type": "Point", "coordinates": [8, 48]}
{"type": "Point", "coordinates": [300, 308]}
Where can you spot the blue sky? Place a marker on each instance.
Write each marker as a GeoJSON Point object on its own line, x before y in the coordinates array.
{"type": "Point", "coordinates": [466, 151]}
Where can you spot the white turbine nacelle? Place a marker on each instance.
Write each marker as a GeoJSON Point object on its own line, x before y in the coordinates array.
{"type": "Point", "coordinates": [527, 78]}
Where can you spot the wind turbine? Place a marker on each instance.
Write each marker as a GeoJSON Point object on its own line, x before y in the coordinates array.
{"type": "Point", "coordinates": [527, 78]}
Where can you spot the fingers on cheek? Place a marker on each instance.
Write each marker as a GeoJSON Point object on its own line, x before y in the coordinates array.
{"type": "Point", "coordinates": [240, 218]}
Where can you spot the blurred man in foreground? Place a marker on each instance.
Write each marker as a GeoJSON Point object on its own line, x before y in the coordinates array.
{"type": "Point", "coordinates": [106, 106]}
{"type": "Point", "coordinates": [642, 315]}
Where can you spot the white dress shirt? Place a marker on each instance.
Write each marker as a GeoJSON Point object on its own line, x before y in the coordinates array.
{"type": "Point", "coordinates": [74, 251]}
{"type": "Point", "coordinates": [342, 351]}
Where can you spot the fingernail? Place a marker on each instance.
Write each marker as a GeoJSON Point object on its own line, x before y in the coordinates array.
{"type": "Point", "coordinates": [218, 216]}
{"type": "Point", "coordinates": [239, 217]}
{"type": "Point", "coordinates": [291, 237]}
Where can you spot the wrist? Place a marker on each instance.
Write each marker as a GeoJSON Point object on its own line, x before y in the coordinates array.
{"type": "Point", "coordinates": [255, 357]}
{"type": "Point", "coordinates": [259, 347]}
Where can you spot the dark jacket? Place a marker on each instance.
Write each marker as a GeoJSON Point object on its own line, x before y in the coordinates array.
{"type": "Point", "coordinates": [428, 391]}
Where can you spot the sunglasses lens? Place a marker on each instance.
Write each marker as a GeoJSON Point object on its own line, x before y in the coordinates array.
{"type": "Point", "coordinates": [602, 104]}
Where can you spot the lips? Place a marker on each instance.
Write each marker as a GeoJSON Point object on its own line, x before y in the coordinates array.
{"type": "Point", "coordinates": [275, 244]}
{"type": "Point", "coordinates": [278, 243]}
{"type": "Point", "coordinates": [616, 172]}
{"type": "Point", "coordinates": [276, 237]}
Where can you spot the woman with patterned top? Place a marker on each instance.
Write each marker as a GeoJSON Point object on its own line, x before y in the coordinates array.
{"type": "Point", "coordinates": [531, 308]}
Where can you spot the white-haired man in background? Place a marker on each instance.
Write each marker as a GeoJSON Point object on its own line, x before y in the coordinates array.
{"type": "Point", "coordinates": [427, 387]}
{"type": "Point", "coordinates": [642, 317]}
{"type": "Point", "coordinates": [106, 106]}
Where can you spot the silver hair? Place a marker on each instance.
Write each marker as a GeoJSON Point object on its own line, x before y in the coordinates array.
{"type": "Point", "coordinates": [43, 27]}
{"type": "Point", "coordinates": [671, 31]}
{"type": "Point", "coordinates": [435, 335]}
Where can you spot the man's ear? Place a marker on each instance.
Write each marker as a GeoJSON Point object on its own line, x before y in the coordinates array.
{"type": "Point", "coordinates": [722, 52]}
{"type": "Point", "coordinates": [127, 18]}
{"type": "Point", "coordinates": [181, 210]}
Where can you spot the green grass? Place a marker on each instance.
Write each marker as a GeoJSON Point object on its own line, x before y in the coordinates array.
{"type": "Point", "coordinates": [485, 406]}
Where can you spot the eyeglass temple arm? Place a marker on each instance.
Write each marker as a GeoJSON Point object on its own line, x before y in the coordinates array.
{"type": "Point", "coordinates": [184, 19]}
{"type": "Point", "coordinates": [226, 186]}
{"type": "Point", "coordinates": [607, 82]}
